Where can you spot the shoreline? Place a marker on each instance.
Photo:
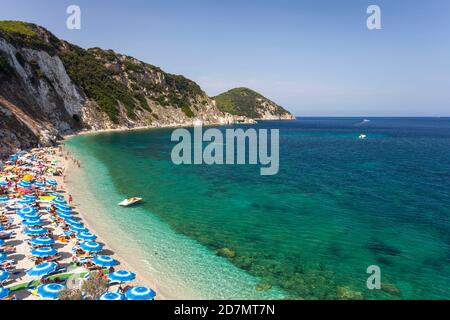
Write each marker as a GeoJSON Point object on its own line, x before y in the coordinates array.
{"type": "Point", "coordinates": [69, 170]}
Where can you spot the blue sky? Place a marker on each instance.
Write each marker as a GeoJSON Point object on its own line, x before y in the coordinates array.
{"type": "Point", "coordinates": [314, 57]}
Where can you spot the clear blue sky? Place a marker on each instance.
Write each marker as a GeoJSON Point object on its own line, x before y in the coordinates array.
{"type": "Point", "coordinates": [314, 57]}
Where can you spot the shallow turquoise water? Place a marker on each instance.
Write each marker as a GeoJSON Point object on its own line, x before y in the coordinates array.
{"type": "Point", "coordinates": [337, 206]}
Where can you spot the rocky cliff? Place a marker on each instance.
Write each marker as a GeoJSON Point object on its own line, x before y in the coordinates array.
{"type": "Point", "coordinates": [49, 88]}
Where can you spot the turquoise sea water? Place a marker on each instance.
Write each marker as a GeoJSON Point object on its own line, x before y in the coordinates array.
{"type": "Point", "coordinates": [337, 206]}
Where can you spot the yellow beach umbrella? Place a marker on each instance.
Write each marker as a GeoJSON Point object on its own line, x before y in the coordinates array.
{"type": "Point", "coordinates": [27, 177]}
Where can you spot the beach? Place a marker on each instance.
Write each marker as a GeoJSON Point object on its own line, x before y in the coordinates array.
{"type": "Point", "coordinates": [44, 180]}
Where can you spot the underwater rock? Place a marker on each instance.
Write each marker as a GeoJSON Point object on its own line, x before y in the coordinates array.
{"type": "Point", "coordinates": [391, 289]}
{"type": "Point", "coordinates": [226, 252]}
{"type": "Point", "coordinates": [263, 286]}
{"type": "Point", "coordinates": [346, 293]}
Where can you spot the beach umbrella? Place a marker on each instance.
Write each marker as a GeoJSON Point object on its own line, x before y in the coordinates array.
{"type": "Point", "coordinates": [39, 185]}
{"type": "Point", "coordinates": [104, 261]}
{"type": "Point", "coordinates": [30, 216]}
{"type": "Point", "coordinates": [91, 246]}
{"type": "Point", "coordinates": [4, 198]}
{"type": "Point", "coordinates": [50, 291]}
{"type": "Point", "coordinates": [121, 276]}
{"type": "Point", "coordinates": [30, 197]}
{"type": "Point", "coordinates": [24, 202]}
{"type": "Point", "coordinates": [78, 228]}
{"type": "Point", "coordinates": [3, 184]}
{"type": "Point", "coordinates": [32, 222]}
{"type": "Point", "coordinates": [73, 222]}
{"type": "Point", "coordinates": [27, 210]}
{"type": "Point", "coordinates": [110, 296]}
{"type": "Point", "coordinates": [4, 293]}
{"type": "Point", "coordinates": [140, 293]}
{"type": "Point", "coordinates": [3, 275]}
{"type": "Point", "coordinates": [86, 236]}
{"type": "Point", "coordinates": [64, 215]}
{"type": "Point", "coordinates": [63, 210]}
{"type": "Point", "coordinates": [44, 252]}
{"type": "Point", "coordinates": [42, 269]}
{"type": "Point", "coordinates": [35, 231]}
{"type": "Point", "coordinates": [59, 201]}
{"type": "Point", "coordinates": [57, 195]}
{"type": "Point", "coordinates": [24, 184]}
{"type": "Point", "coordinates": [2, 242]}
{"type": "Point", "coordinates": [42, 241]}
{"type": "Point", "coordinates": [3, 257]}
{"type": "Point", "coordinates": [52, 182]}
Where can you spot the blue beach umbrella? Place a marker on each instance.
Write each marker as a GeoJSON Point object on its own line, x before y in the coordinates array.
{"type": "Point", "coordinates": [86, 236]}
{"type": "Point", "coordinates": [24, 202]}
{"type": "Point", "coordinates": [52, 182]}
{"type": "Point", "coordinates": [121, 276]}
{"type": "Point", "coordinates": [64, 215]}
{"type": "Point", "coordinates": [32, 222]}
{"type": "Point", "coordinates": [30, 216]}
{"type": "Point", "coordinates": [35, 231]}
{"type": "Point", "coordinates": [3, 184]}
{"type": "Point", "coordinates": [29, 197]}
{"type": "Point", "coordinates": [2, 242]}
{"type": "Point", "coordinates": [4, 293]}
{"type": "Point", "coordinates": [42, 269]}
{"type": "Point", "coordinates": [140, 293]}
{"type": "Point", "coordinates": [73, 222]}
{"type": "Point", "coordinates": [3, 257]}
{"type": "Point", "coordinates": [24, 184]}
{"type": "Point", "coordinates": [104, 261]}
{"type": "Point", "coordinates": [63, 209]}
{"type": "Point", "coordinates": [42, 241]}
{"type": "Point", "coordinates": [112, 296]}
{"type": "Point", "coordinates": [26, 210]}
{"type": "Point", "coordinates": [78, 228]}
{"type": "Point", "coordinates": [50, 291]}
{"type": "Point", "coordinates": [4, 198]}
{"type": "Point", "coordinates": [3, 275]}
{"type": "Point", "coordinates": [91, 246]}
{"type": "Point", "coordinates": [59, 201]}
{"type": "Point", "coordinates": [44, 252]}
{"type": "Point", "coordinates": [39, 185]}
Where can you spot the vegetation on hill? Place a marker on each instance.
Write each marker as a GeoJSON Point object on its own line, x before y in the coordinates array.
{"type": "Point", "coordinates": [244, 102]}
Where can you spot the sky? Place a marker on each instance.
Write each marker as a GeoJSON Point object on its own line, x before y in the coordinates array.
{"type": "Point", "coordinates": [315, 57]}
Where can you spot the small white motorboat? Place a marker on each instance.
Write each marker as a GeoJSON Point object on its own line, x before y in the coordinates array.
{"type": "Point", "coordinates": [362, 137]}
{"type": "Point", "coordinates": [130, 201]}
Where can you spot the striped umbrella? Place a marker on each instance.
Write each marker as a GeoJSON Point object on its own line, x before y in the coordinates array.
{"type": "Point", "coordinates": [59, 201]}
{"type": "Point", "coordinates": [65, 215]}
{"type": "Point", "coordinates": [32, 222]}
{"type": "Point", "coordinates": [35, 231]}
{"type": "Point", "coordinates": [39, 185]}
{"type": "Point", "coordinates": [44, 252]}
{"type": "Point", "coordinates": [4, 198]}
{"type": "Point", "coordinates": [121, 276]}
{"type": "Point", "coordinates": [29, 197]}
{"type": "Point", "coordinates": [42, 241]}
{"type": "Point", "coordinates": [91, 246]}
{"type": "Point", "coordinates": [73, 222]}
{"type": "Point", "coordinates": [52, 182]}
{"type": "Point", "coordinates": [3, 275]}
{"type": "Point", "coordinates": [78, 228]}
{"type": "Point", "coordinates": [50, 291]}
{"type": "Point", "coordinates": [3, 257]}
{"type": "Point", "coordinates": [140, 293]}
{"type": "Point", "coordinates": [3, 184]}
{"type": "Point", "coordinates": [27, 210]}
{"type": "Point", "coordinates": [86, 236]}
{"type": "Point", "coordinates": [24, 184]}
{"type": "Point", "coordinates": [110, 296]}
{"type": "Point", "coordinates": [24, 202]}
{"type": "Point", "coordinates": [104, 261]}
{"type": "Point", "coordinates": [42, 269]}
{"type": "Point", "coordinates": [64, 209]}
{"type": "Point", "coordinates": [2, 242]}
{"type": "Point", "coordinates": [4, 293]}
{"type": "Point", "coordinates": [30, 216]}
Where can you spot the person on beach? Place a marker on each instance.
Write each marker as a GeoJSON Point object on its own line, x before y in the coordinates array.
{"type": "Point", "coordinates": [70, 199]}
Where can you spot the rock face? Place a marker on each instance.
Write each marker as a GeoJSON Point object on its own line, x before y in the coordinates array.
{"type": "Point", "coordinates": [246, 102]}
{"type": "Point", "coordinates": [49, 88]}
